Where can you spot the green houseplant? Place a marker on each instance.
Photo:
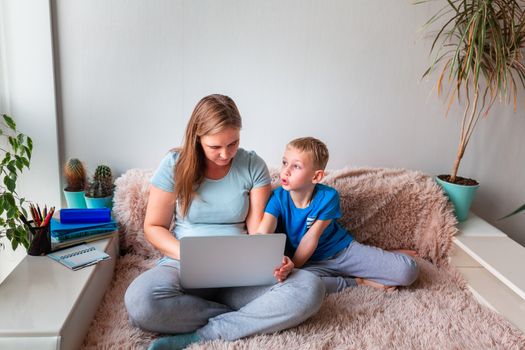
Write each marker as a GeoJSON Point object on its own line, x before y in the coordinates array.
{"type": "Point", "coordinates": [16, 149]}
{"type": "Point", "coordinates": [76, 179]}
{"type": "Point", "coordinates": [99, 192]}
{"type": "Point", "coordinates": [478, 52]}
{"type": "Point", "coordinates": [519, 210]}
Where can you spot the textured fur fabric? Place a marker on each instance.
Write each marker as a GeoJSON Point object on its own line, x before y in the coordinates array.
{"type": "Point", "coordinates": [394, 209]}
{"type": "Point", "coordinates": [129, 209]}
{"type": "Point", "coordinates": [390, 208]}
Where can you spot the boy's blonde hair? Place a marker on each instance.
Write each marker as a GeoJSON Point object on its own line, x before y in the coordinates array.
{"type": "Point", "coordinates": [315, 148]}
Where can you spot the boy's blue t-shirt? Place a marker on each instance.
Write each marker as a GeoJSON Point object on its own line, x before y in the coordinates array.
{"type": "Point", "coordinates": [296, 221]}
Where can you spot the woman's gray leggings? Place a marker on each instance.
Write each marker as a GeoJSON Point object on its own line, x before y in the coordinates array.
{"type": "Point", "coordinates": [156, 302]}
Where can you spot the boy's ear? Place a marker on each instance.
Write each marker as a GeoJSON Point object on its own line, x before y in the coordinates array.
{"type": "Point", "coordinates": [318, 176]}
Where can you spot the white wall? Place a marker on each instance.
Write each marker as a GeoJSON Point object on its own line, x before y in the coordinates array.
{"type": "Point", "coordinates": [27, 92]}
{"type": "Point", "coordinates": [345, 71]}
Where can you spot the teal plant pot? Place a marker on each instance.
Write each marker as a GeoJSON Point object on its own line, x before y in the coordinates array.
{"type": "Point", "coordinates": [75, 199]}
{"type": "Point", "coordinates": [461, 197]}
{"type": "Point", "coordinates": [104, 202]}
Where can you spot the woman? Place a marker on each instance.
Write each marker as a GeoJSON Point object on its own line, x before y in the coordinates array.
{"type": "Point", "coordinates": [212, 186]}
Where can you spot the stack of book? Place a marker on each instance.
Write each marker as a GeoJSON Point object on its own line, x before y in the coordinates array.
{"type": "Point", "coordinates": [81, 225]}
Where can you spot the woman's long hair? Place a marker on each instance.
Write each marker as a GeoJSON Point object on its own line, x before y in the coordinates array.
{"type": "Point", "coordinates": [213, 114]}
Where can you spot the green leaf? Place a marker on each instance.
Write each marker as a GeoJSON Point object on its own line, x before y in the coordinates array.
{"type": "Point", "coordinates": [7, 158]}
{"type": "Point", "coordinates": [9, 183]}
{"type": "Point", "coordinates": [30, 144]}
{"type": "Point", "coordinates": [20, 138]}
{"type": "Point", "coordinates": [14, 143]}
{"type": "Point", "coordinates": [19, 163]}
{"type": "Point", "coordinates": [10, 122]}
{"type": "Point", "coordinates": [13, 178]}
{"type": "Point", "coordinates": [9, 233]}
{"type": "Point", "coordinates": [27, 151]}
{"type": "Point", "coordinates": [520, 209]}
{"type": "Point", "coordinates": [9, 199]}
{"type": "Point", "coordinates": [23, 236]}
{"type": "Point", "coordinates": [12, 213]}
{"type": "Point", "coordinates": [14, 244]}
{"type": "Point", "coordinates": [11, 167]}
{"type": "Point", "coordinates": [21, 232]}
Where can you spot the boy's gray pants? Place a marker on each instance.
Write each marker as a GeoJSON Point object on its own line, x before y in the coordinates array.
{"type": "Point", "coordinates": [156, 302]}
{"type": "Point", "coordinates": [359, 260]}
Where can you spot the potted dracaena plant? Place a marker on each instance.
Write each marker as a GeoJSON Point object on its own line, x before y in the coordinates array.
{"type": "Point", "coordinates": [478, 55]}
{"type": "Point", "coordinates": [16, 154]}
{"type": "Point", "coordinates": [99, 192]}
{"type": "Point", "coordinates": [75, 176]}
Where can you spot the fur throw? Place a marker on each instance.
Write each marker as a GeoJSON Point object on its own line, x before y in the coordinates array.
{"type": "Point", "coordinates": [390, 208]}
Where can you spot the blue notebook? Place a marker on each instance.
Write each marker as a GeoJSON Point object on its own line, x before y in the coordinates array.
{"type": "Point", "coordinates": [66, 231]}
{"type": "Point", "coordinates": [79, 256]}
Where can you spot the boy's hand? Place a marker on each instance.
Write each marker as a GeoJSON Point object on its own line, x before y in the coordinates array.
{"type": "Point", "coordinates": [282, 272]}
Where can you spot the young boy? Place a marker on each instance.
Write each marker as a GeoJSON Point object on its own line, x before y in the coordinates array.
{"type": "Point", "coordinates": [308, 211]}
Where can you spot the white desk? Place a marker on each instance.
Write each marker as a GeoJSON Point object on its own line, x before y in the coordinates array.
{"type": "Point", "coordinates": [492, 263]}
{"type": "Point", "coordinates": [45, 305]}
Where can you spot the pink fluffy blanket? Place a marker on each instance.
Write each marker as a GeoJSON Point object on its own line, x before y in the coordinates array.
{"type": "Point", "coordinates": [390, 208]}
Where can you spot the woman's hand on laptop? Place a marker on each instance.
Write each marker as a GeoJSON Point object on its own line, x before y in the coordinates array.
{"type": "Point", "coordinates": [282, 272]}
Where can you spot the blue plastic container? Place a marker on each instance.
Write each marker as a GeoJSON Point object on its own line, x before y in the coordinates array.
{"type": "Point", "coordinates": [93, 215]}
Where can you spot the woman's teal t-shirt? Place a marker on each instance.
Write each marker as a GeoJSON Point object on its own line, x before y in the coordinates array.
{"type": "Point", "coordinates": [220, 206]}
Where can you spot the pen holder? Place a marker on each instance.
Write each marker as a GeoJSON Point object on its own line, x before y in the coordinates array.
{"type": "Point", "coordinates": [40, 240]}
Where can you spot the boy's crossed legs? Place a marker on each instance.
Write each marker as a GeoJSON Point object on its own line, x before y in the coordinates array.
{"type": "Point", "coordinates": [361, 264]}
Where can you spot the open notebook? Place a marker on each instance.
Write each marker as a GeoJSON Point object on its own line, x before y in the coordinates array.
{"type": "Point", "coordinates": [79, 256]}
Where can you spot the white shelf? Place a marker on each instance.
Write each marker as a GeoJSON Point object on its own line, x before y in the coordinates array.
{"type": "Point", "coordinates": [477, 227]}
{"type": "Point", "coordinates": [492, 263]}
{"type": "Point", "coordinates": [501, 256]}
{"type": "Point", "coordinates": [45, 305]}
{"type": "Point", "coordinates": [494, 294]}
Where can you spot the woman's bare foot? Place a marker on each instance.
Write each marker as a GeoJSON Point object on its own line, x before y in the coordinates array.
{"type": "Point", "coordinates": [373, 284]}
{"type": "Point", "coordinates": [406, 252]}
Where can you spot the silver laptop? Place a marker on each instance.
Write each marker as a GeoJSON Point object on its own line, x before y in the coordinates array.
{"type": "Point", "coordinates": [230, 261]}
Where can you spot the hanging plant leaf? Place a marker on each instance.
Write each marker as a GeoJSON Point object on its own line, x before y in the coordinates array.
{"type": "Point", "coordinates": [519, 210]}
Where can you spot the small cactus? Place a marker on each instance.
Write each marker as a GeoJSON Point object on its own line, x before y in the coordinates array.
{"type": "Point", "coordinates": [75, 175]}
{"type": "Point", "coordinates": [102, 184]}
{"type": "Point", "coordinates": [103, 174]}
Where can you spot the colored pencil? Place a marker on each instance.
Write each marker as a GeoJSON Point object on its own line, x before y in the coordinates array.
{"type": "Point", "coordinates": [48, 217]}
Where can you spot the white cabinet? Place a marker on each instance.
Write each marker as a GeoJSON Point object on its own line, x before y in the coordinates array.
{"type": "Point", "coordinates": [45, 305]}
{"type": "Point", "coordinates": [494, 267]}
